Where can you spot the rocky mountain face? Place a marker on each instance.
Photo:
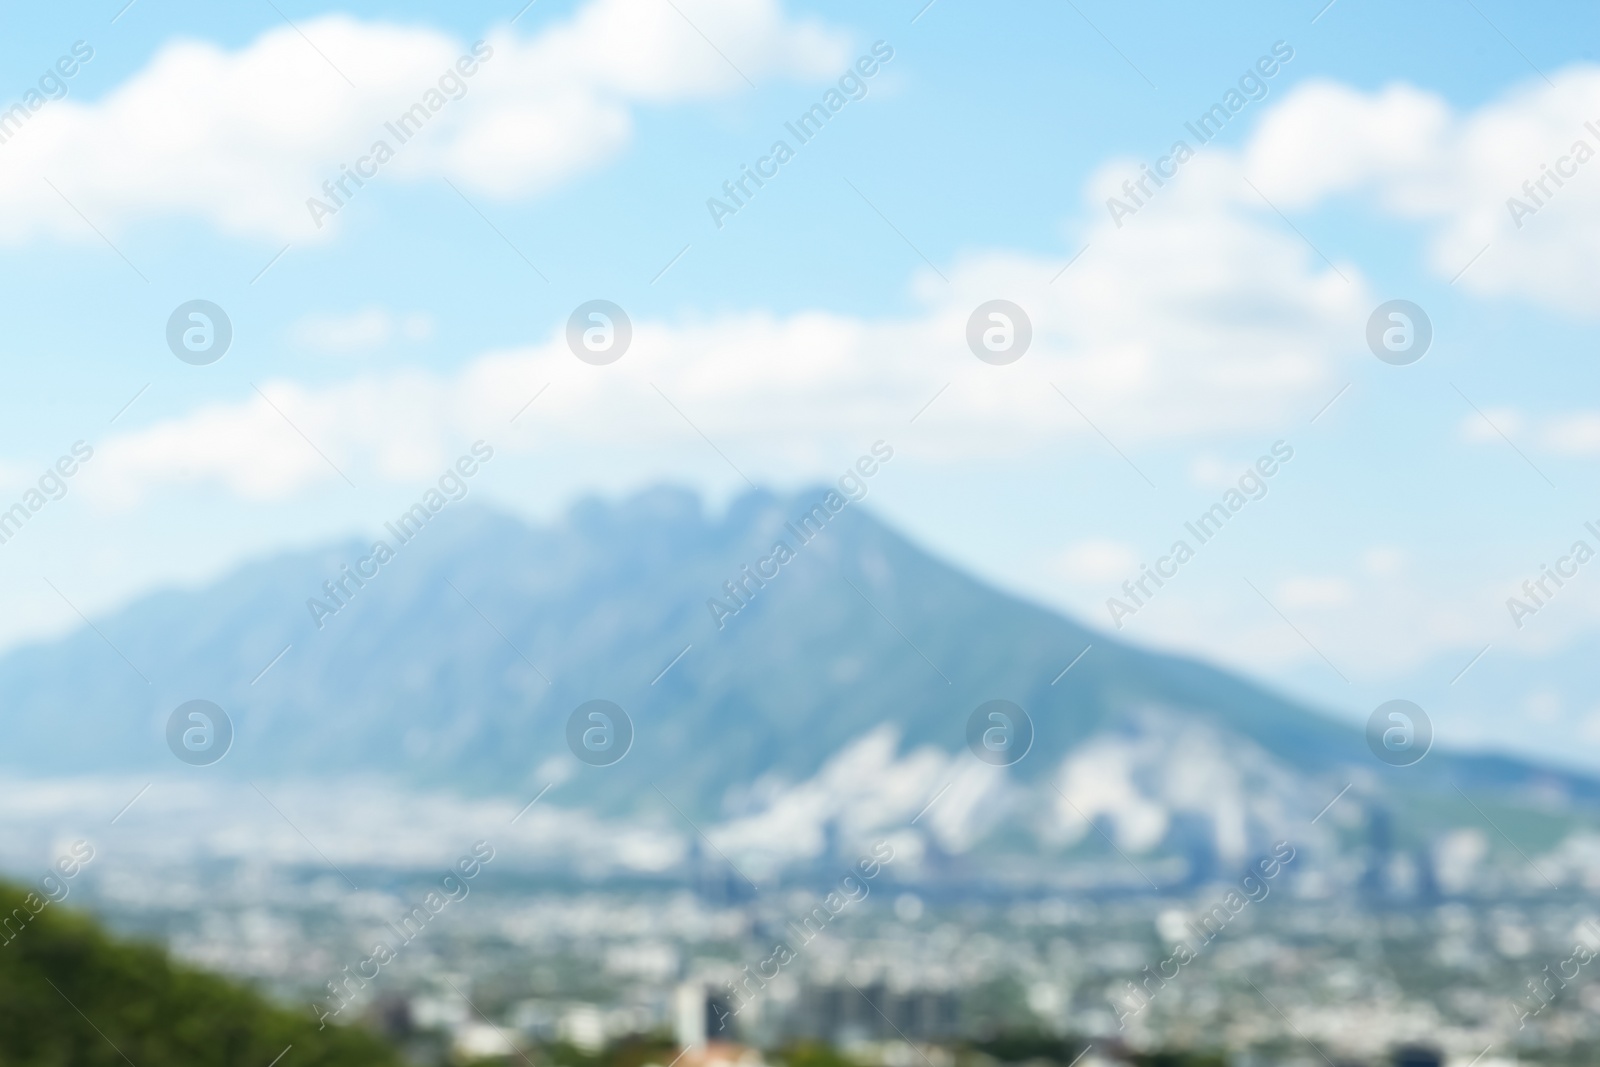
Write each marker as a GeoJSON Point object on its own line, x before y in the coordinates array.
{"type": "Point", "coordinates": [794, 679]}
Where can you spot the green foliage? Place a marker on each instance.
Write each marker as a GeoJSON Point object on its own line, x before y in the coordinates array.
{"type": "Point", "coordinates": [566, 1054]}
{"type": "Point", "coordinates": [1178, 1058]}
{"type": "Point", "coordinates": [639, 1050]}
{"type": "Point", "coordinates": [1025, 1046]}
{"type": "Point", "coordinates": [73, 996]}
{"type": "Point", "coordinates": [811, 1054]}
{"type": "Point", "coordinates": [636, 1050]}
{"type": "Point", "coordinates": [1019, 1046]}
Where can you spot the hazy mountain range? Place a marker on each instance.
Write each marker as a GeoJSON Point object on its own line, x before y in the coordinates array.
{"type": "Point", "coordinates": [832, 706]}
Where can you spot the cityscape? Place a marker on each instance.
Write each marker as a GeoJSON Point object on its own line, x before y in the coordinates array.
{"type": "Point", "coordinates": [1463, 948]}
{"type": "Point", "coordinates": [799, 533]}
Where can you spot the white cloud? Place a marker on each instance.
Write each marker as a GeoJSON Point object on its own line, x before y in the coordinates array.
{"type": "Point", "coordinates": [1489, 425]}
{"type": "Point", "coordinates": [1424, 161]}
{"type": "Point", "coordinates": [359, 331]}
{"type": "Point", "coordinates": [262, 447]}
{"type": "Point", "coordinates": [1383, 561]}
{"type": "Point", "coordinates": [1575, 434]}
{"type": "Point", "coordinates": [1098, 560]}
{"type": "Point", "coordinates": [247, 446]}
{"type": "Point", "coordinates": [243, 138]}
{"type": "Point", "coordinates": [1163, 764]}
{"type": "Point", "coordinates": [1314, 592]}
{"type": "Point", "coordinates": [1146, 346]}
{"type": "Point", "coordinates": [864, 789]}
{"type": "Point", "coordinates": [1210, 472]}
{"type": "Point", "coordinates": [1376, 615]}
{"type": "Point", "coordinates": [1542, 706]}
{"type": "Point", "coordinates": [1202, 316]}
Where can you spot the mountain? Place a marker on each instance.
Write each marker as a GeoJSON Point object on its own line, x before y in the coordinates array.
{"type": "Point", "coordinates": [834, 703]}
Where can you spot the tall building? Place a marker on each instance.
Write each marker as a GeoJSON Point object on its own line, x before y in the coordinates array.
{"type": "Point", "coordinates": [700, 1016]}
{"type": "Point", "coordinates": [1418, 1056]}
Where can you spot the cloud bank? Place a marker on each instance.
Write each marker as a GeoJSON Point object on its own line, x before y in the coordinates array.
{"type": "Point", "coordinates": [242, 139]}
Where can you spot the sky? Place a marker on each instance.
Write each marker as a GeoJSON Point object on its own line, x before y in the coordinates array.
{"type": "Point", "coordinates": [561, 153]}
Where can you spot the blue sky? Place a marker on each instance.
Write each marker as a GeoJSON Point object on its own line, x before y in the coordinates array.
{"type": "Point", "coordinates": [831, 309]}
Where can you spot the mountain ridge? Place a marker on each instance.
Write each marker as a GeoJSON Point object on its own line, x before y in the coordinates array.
{"type": "Point", "coordinates": [459, 662]}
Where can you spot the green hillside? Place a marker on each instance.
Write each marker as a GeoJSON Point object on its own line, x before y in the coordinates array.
{"type": "Point", "coordinates": [73, 996]}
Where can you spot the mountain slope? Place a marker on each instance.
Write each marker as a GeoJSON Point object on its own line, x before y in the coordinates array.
{"type": "Point", "coordinates": [70, 994]}
{"type": "Point", "coordinates": [459, 663]}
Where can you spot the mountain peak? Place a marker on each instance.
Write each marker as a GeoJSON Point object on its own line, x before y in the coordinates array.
{"type": "Point", "coordinates": [753, 655]}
